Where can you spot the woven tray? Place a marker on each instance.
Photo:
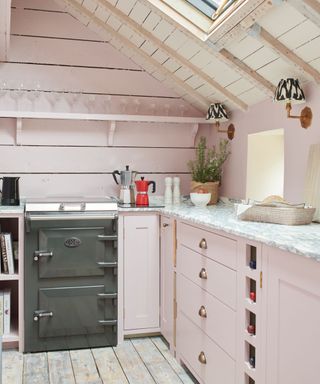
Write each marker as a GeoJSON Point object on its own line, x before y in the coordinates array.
{"type": "Point", "coordinates": [278, 215]}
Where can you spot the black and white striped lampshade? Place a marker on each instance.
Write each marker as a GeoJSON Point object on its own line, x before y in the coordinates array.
{"type": "Point", "coordinates": [217, 112]}
{"type": "Point", "coordinates": [289, 90]}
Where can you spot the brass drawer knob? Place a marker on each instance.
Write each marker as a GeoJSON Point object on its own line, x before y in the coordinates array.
{"type": "Point", "coordinates": [202, 358]}
{"type": "Point", "coordinates": [203, 274]}
{"type": "Point", "coordinates": [203, 244]}
{"type": "Point", "coordinates": [202, 311]}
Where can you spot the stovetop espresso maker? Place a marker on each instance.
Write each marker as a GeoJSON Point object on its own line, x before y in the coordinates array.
{"type": "Point", "coordinates": [10, 191]}
{"type": "Point", "coordinates": [142, 185]}
{"type": "Point", "coordinates": [126, 184]}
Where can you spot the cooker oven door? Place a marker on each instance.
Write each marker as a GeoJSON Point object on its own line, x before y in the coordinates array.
{"type": "Point", "coordinates": [70, 284]}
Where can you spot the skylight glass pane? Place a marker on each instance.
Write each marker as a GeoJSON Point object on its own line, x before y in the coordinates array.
{"type": "Point", "coordinates": [205, 6]}
{"type": "Point", "coordinates": [209, 7]}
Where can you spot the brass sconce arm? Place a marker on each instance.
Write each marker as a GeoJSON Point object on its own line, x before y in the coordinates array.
{"type": "Point", "coordinates": [229, 131]}
{"type": "Point", "coordinates": [305, 117]}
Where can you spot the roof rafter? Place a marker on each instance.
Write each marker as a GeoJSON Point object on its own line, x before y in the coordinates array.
{"type": "Point", "coordinates": [173, 54]}
{"type": "Point", "coordinates": [285, 53]}
{"type": "Point", "coordinates": [5, 19]}
{"type": "Point", "coordinates": [199, 99]}
{"type": "Point", "coordinates": [257, 80]}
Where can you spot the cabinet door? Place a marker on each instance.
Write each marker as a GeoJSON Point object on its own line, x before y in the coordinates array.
{"type": "Point", "coordinates": [167, 265]}
{"type": "Point", "coordinates": [293, 312]}
{"type": "Point", "coordinates": [141, 272]}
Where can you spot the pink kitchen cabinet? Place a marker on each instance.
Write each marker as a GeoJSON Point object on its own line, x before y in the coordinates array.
{"type": "Point", "coordinates": [293, 318]}
{"type": "Point", "coordinates": [167, 278]}
{"type": "Point", "coordinates": [141, 273]}
{"type": "Point", "coordinates": [206, 325]}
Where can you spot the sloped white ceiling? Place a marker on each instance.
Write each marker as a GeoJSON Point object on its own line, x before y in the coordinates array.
{"type": "Point", "coordinates": [238, 66]}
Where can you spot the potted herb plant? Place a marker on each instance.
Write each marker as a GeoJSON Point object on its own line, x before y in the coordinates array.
{"type": "Point", "coordinates": [206, 169]}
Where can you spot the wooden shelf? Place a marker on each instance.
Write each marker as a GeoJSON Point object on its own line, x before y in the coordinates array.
{"type": "Point", "coordinates": [12, 337]}
{"type": "Point", "coordinates": [111, 118]}
{"type": "Point", "coordinates": [102, 117]}
{"type": "Point", "coordinates": [6, 277]}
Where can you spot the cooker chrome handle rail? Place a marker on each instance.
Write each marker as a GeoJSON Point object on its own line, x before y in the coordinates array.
{"type": "Point", "coordinates": [107, 295]}
{"type": "Point", "coordinates": [108, 237]}
{"type": "Point", "coordinates": [108, 322]}
{"type": "Point", "coordinates": [69, 216]}
{"type": "Point", "coordinates": [38, 254]}
{"type": "Point", "coordinates": [37, 315]}
{"type": "Point", "coordinates": [107, 264]}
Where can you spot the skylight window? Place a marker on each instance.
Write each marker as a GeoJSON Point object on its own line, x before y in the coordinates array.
{"type": "Point", "coordinates": [203, 17]}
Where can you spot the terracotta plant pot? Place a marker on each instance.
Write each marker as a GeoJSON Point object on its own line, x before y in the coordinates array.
{"type": "Point", "coordinates": [211, 187]}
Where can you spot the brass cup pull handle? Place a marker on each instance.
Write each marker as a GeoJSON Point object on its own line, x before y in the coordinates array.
{"type": "Point", "coordinates": [165, 225]}
{"type": "Point", "coordinates": [202, 358]}
{"type": "Point", "coordinates": [202, 312]}
{"type": "Point", "coordinates": [203, 274]}
{"type": "Point", "coordinates": [203, 244]}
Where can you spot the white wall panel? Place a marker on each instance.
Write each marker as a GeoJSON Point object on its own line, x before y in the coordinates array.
{"type": "Point", "coordinates": [23, 23]}
{"type": "Point", "coordinates": [110, 81]}
{"type": "Point", "coordinates": [90, 160]}
{"type": "Point", "coordinates": [67, 52]}
{"type": "Point", "coordinates": [51, 185]}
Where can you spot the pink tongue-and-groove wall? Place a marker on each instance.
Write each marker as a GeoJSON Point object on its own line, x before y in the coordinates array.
{"type": "Point", "coordinates": [77, 71]}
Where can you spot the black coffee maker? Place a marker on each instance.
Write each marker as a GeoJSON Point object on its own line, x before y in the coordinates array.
{"type": "Point", "coordinates": [10, 191]}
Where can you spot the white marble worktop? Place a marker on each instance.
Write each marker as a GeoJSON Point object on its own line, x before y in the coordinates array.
{"type": "Point", "coordinates": [300, 239]}
{"type": "Point", "coordinates": [12, 209]}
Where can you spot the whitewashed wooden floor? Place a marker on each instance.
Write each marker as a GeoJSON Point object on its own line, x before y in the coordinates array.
{"type": "Point", "coordinates": [136, 361]}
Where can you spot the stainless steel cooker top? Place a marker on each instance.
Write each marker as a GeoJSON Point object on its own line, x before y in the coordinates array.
{"type": "Point", "coordinates": [71, 205]}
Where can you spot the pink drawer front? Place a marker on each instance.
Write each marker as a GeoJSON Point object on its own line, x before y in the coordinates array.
{"type": "Point", "coordinates": [192, 343]}
{"type": "Point", "coordinates": [215, 278]}
{"type": "Point", "coordinates": [214, 318]}
{"type": "Point", "coordinates": [216, 247]}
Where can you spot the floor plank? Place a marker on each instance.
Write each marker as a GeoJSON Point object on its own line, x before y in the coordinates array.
{"type": "Point", "coordinates": [60, 368]}
{"type": "Point", "coordinates": [12, 367]}
{"type": "Point", "coordinates": [35, 369]}
{"type": "Point", "coordinates": [161, 345]}
{"type": "Point", "coordinates": [108, 366]}
{"type": "Point", "coordinates": [155, 362]}
{"type": "Point", "coordinates": [132, 364]}
{"type": "Point", "coordinates": [136, 361]}
{"type": "Point", "coordinates": [84, 367]}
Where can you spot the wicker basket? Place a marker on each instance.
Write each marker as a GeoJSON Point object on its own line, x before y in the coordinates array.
{"type": "Point", "coordinates": [278, 215]}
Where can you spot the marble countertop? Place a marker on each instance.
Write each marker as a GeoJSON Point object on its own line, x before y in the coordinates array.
{"type": "Point", "coordinates": [300, 239]}
{"type": "Point", "coordinates": [12, 209]}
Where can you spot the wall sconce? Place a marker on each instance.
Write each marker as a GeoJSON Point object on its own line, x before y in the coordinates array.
{"type": "Point", "coordinates": [289, 91]}
{"type": "Point", "coordinates": [218, 113]}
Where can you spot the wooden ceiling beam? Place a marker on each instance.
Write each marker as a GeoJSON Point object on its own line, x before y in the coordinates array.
{"type": "Point", "coordinates": [308, 8]}
{"type": "Point", "coordinates": [173, 54]}
{"type": "Point", "coordinates": [199, 99]}
{"type": "Point", "coordinates": [285, 53]}
{"type": "Point", "coordinates": [257, 10]}
{"type": "Point", "coordinates": [5, 19]}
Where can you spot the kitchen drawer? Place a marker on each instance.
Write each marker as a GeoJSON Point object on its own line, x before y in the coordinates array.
{"type": "Point", "coordinates": [220, 321]}
{"type": "Point", "coordinates": [216, 247]}
{"type": "Point", "coordinates": [191, 342]}
{"type": "Point", "coordinates": [215, 278]}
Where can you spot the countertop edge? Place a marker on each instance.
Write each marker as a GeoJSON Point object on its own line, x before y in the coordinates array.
{"type": "Point", "coordinates": [304, 249]}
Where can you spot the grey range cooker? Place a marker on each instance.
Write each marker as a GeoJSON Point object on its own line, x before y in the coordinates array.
{"type": "Point", "coordinates": [70, 278]}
